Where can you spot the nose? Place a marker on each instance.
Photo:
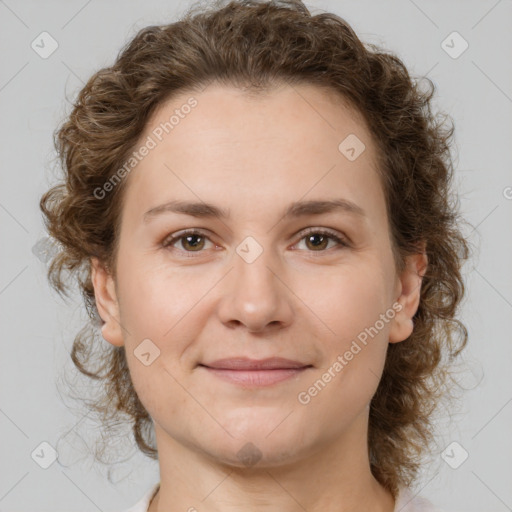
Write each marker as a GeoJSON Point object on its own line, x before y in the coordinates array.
{"type": "Point", "coordinates": [256, 296]}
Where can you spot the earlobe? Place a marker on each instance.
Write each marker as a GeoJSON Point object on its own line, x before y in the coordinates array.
{"type": "Point", "coordinates": [106, 303]}
{"type": "Point", "coordinates": [409, 298]}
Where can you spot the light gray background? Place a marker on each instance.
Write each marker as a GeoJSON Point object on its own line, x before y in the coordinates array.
{"type": "Point", "coordinates": [38, 328]}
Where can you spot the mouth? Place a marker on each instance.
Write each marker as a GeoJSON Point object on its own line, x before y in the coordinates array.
{"type": "Point", "coordinates": [252, 373]}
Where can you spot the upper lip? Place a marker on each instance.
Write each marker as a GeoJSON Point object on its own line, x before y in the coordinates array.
{"type": "Point", "coordinates": [244, 363]}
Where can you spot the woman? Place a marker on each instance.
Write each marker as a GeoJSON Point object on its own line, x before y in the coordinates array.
{"type": "Point", "coordinates": [258, 209]}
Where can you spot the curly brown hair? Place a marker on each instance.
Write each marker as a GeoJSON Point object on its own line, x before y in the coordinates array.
{"type": "Point", "coordinates": [253, 45]}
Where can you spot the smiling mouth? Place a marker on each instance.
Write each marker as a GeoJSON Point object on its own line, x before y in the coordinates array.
{"type": "Point", "coordinates": [246, 363]}
{"type": "Point", "coordinates": [253, 378]}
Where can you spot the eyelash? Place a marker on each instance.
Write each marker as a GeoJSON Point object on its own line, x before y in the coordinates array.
{"type": "Point", "coordinates": [170, 240]}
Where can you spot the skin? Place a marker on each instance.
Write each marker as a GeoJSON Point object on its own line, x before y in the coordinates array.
{"type": "Point", "coordinates": [255, 156]}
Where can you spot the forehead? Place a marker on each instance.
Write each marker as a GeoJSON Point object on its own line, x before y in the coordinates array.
{"type": "Point", "coordinates": [281, 145]}
{"type": "Point", "coordinates": [229, 115]}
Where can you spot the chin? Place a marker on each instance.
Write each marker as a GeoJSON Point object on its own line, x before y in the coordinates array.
{"type": "Point", "coordinates": [257, 449]}
{"type": "Point", "coordinates": [250, 456]}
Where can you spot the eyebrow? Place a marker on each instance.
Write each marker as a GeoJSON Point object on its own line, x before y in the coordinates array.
{"type": "Point", "coordinates": [296, 209]}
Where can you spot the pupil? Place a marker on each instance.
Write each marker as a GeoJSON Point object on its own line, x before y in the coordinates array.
{"type": "Point", "coordinates": [191, 237]}
{"type": "Point", "coordinates": [320, 242]}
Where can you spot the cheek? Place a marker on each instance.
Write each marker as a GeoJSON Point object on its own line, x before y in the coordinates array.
{"type": "Point", "coordinates": [155, 297]}
{"type": "Point", "coordinates": [165, 306]}
{"type": "Point", "coordinates": [354, 300]}
{"type": "Point", "coordinates": [156, 307]}
{"type": "Point", "coordinates": [157, 388]}
{"type": "Point", "coordinates": [355, 356]}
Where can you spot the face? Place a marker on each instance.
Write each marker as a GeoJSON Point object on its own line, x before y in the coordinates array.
{"type": "Point", "coordinates": [287, 255]}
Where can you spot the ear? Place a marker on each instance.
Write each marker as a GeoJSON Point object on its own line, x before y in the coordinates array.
{"type": "Point", "coordinates": [409, 291]}
{"type": "Point", "coordinates": [107, 303]}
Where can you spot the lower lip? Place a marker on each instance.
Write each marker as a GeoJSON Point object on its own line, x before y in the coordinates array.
{"type": "Point", "coordinates": [256, 378]}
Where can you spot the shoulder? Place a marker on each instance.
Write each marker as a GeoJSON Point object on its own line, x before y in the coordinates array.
{"type": "Point", "coordinates": [407, 501]}
{"type": "Point", "coordinates": [143, 504]}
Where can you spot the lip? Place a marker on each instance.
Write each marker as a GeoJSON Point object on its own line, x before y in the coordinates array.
{"type": "Point", "coordinates": [253, 373]}
{"type": "Point", "coordinates": [245, 363]}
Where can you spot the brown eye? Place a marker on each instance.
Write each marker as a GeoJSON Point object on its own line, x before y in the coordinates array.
{"type": "Point", "coordinates": [317, 240]}
{"type": "Point", "coordinates": [196, 242]}
{"type": "Point", "coordinates": [190, 241]}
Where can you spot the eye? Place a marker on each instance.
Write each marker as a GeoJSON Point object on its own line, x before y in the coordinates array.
{"type": "Point", "coordinates": [194, 241]}
{"type": "Point", "coordinates": [191, 240]}
{"type": "Point", "coordinates": [317, 239]}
